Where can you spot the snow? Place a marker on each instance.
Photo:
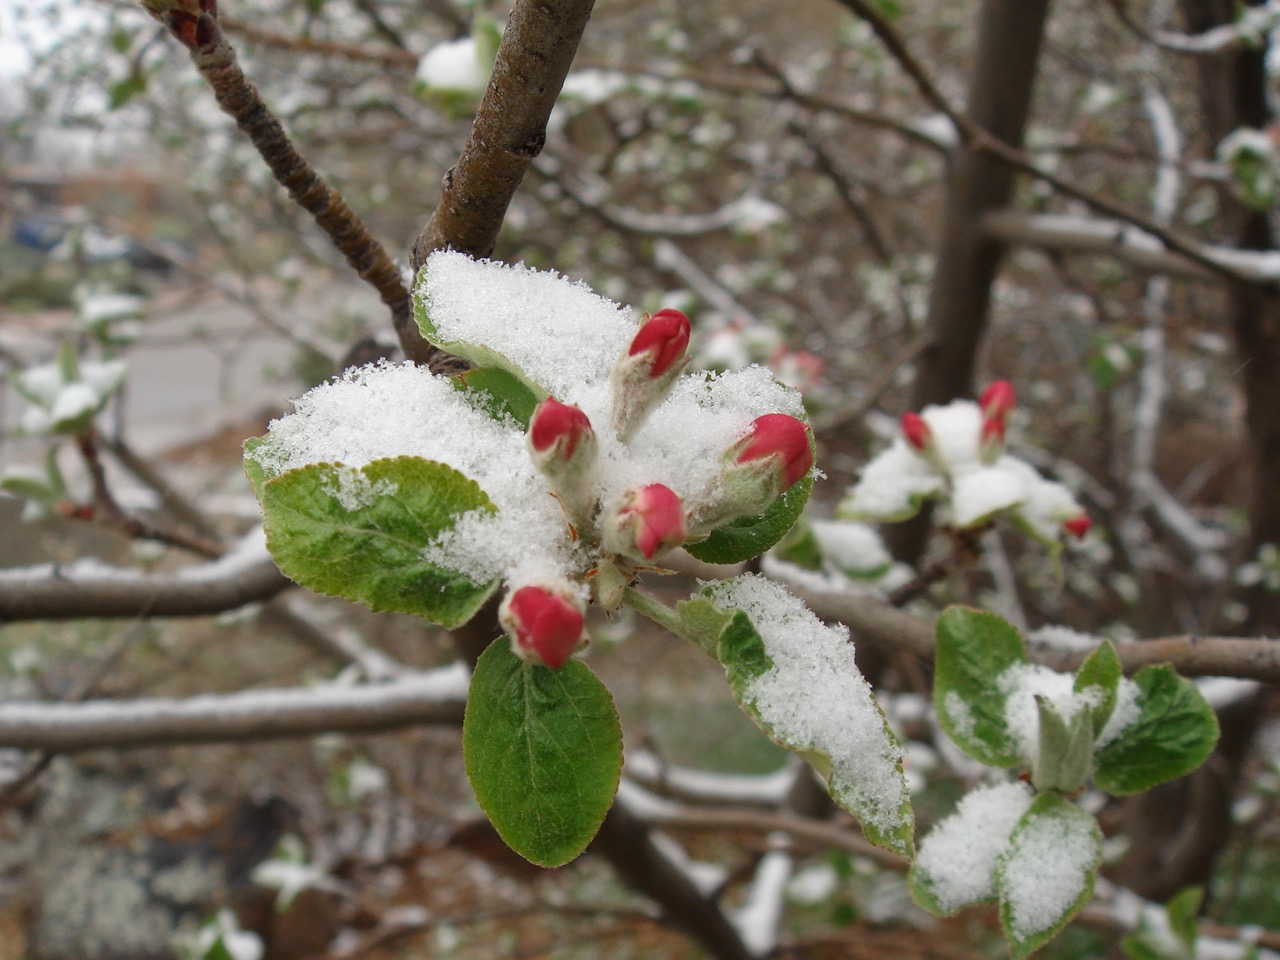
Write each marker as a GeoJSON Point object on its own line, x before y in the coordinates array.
{"type": "Point", "coordinates": [981, 492]}
{"type": "Point", "coordinates": [958, 857]}
{"type": "Point", "coordinates": [1046, 869]}
{"type": "Point", "coordinates": [1123, 715]}
{"type": "Point", "coordinates": [815, 699]}
{"type": "Point", "coordinates": [855, 548]}
{"type": "Point", "coordinates": [1062, 639]}
{"type": "Point", "coordinates": [958, 712]}
{"type": "Point", "coordinates": [890, 483]}
{"type": "Point", "coordinates": [354, 490]}
{"type": "Point", "coordinates": [454, 65]}
{"type": "Point", "coordinates": [1021, 683]}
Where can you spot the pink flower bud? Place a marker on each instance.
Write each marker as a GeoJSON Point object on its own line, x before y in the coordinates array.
{"type": "Point", "coordinates": [649, 521]}
{"type": "Point", "coordinates": [1078, 526]}
{"type": "Point", "coordinates": [998, 400]}
{"type": "Point", "coordinates": [664, 339]}
{"type": "Point", "coordinates": [916, 430]}
{"type": "Point", "coordinates": [558, 428]}
{"type": "Point", "coordinates": [545, 624]}
{"type": "Point", "coordinates": [785, 441]}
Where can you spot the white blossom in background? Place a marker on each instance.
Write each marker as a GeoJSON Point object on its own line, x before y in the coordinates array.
{"type": "Point", "coordinates": [288, 873]}
{"type": "Point", "coordinates": [1251, 156]}
{"type": "Point", "coordinates": [108, 314]}
{"type": "Point", "coordinates": [63, 396]}
{"type": "Point", "coordinates": [220, 938]}
{"type": "Point", "coordinates": [461, 66]}
{"type": "Point", "coordinates": [956, 454]}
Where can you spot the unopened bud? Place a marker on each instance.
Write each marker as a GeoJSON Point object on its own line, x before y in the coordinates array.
{"type": "Point", "coordinates": [916, 431]}
{"type": "Point", "coordinates": [1078, 526]}
{"type": "Point", "coordinates": [648, 521]}
{"type": "Point", "coordinates": [764, 464]}
{"type": "Point", "coordinates": [998, 400]}
{"type": "Point", "coordinates": [545, 623]}
{"type": "Point", "coordinates": [643, 377]}
{"type": "Point", "coordinates": [563, 447]}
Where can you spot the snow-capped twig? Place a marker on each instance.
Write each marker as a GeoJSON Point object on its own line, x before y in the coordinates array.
{"type": "Point", "coordinates": [668, 256]}
{"type": "Point", "coordinates": [437, 696]}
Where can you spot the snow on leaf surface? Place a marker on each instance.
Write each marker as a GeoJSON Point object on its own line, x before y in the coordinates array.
{"type": "Point", "coordinates": [1047, 872]}
{"type": "Point", "coordinates": [956, 863]}
{"type": "Point", "coordinates": [806, 691]}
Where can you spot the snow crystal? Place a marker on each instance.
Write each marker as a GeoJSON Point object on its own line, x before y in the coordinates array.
{"type": "Point", "coordinates": [1123, 715]}
{"type": "Point", "coordinates": [560, 333]}
{"type": "Point", "coordinates": [1021, 683]}
{"type": "Point", "coordinates": [1046, 869]}
{"type": "Point", "coordinates": [454, 65]}
{"type": "Point", "coordinates": [956, 430]}
{"type": "Point", "coordinates": [814, 698]}
{"type": "Point", "coordinates": [958, 857]}
{"type": "Point", "coordinates": [889, 484]}
{"type": "Point", "coordinates": [354, 490]}
{"type": "Point", "coordinates": [855, 548]}
{"type": "Point", "coordinates": [978, 493]}
{"type": "Point", "coordinates": [958, 712]}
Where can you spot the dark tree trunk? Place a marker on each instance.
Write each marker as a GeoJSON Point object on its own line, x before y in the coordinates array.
{"type": "Point", "coordinates": [1005, 59]}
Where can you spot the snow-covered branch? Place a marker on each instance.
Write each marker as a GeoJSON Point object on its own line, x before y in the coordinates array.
{"type": "Point", "coordinates": [90, 588]}
{"type": "Point", "coordinates": [1082, 234]}
{"type": "Point", "coordinates": [434, 697]}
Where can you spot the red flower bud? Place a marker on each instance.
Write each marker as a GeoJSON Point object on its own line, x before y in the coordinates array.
{"type": "Point", "coordinates": [558, 425]}
{"type": "Point", "coordinates": [649, 521]}
{"type": "Point", "coordinates": [998, 400]}
{"type": "Point", "coordinates": [664, 338]}
{"type": "Point", "coordinates": [785, 440]}
{"type": "Point", "coordinates": [916, 430]}
{"type": "Point", "coordinates": [1078, 526]}
{"type": "Point", "coordinates": [545, 625]}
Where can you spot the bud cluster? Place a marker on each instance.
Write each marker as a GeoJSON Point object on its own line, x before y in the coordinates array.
{"type": "Point", "coordinates": [622, 532]}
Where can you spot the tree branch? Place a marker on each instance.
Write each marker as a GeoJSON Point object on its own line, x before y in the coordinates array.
{"type": "Point", "coordinates": [537, 49]}
{"type": "Point", "coordinates": [434, 697]}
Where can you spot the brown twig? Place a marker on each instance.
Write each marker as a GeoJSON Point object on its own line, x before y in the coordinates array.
{"type": "Point", "coordinates": [215, 58]}
{"type": "Point", "coordinates": [393, 57]}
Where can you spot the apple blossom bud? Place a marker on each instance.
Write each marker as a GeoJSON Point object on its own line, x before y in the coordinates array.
{"type": "Point", "coordinates": [644, 375]}
{"type": "Point", "coordinates": [784, 441]}
{"type": "Point", "coordinates": [1078, 526]}
{"type": "Point", "coordinates": [649, 521]}
{"type": "Point", "coordinates": [663, 340]}
{"type": "Point", "coordinates": [563, 447]}
{"type": "Point", "coordinates": [557, 430]}
{"type": "Point", "coordinates": [764, 464]}
{"type": "Point", "coordinates": [545, 623]}
{"type": "Point", "coordinates": [998, 401]}
{"type": "Point", "coordinates": [916, 431]}
{"type": "Point", "coordinates": [991, 440]}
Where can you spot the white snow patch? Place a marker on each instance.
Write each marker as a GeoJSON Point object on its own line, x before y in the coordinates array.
{"type": "Point", "coordinates": [815, 699]}
{"type": "Point", "coordinates": [453, 65]}
{"type": "Point", "coordinates": [1046, 869]}
{"type": "Point", "coordinates": [958, 857]}
{"type": "Point", "coordinates": [1021, 683]}
{"type": "Point", "coordinates": [354, 490]}
{"type": "Point", "coordinates": [959, 713]}
{"type": "Point", "coordinates": [1123, 715]}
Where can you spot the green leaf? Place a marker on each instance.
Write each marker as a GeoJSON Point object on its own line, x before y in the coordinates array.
{"type": "Point", "coordinates": [122, 91]}
{"type": "Point", "coordinates": [749, 537]}
{"type": "Point", "coordinates": [1101, 669]}
{"type": "Point", "coordinates": [253, 470]}
{"type": "Point", "coordinates": [1174, 733]}
{"type": "Point", "coordinates": [543, 749]}
{"type": "Point", "coordinates": [800, 546]}
{"type": "Point", "coordinates": [1141, 946]}
{"type": "Point", "coordinates": [1183, 911]}
{"type": "Point", "coordinates": [844, 735]}
{"type": "Point", "coordinates": [499, 392]}
{"type": "Point", "coordinates": [1065, 757]}
{"type": "Point", "coordinates": [1046, 874]}
{"type": "Point", "coordinates": [974, 647]}
{"type": "Point", "coordinates": [373, 553]}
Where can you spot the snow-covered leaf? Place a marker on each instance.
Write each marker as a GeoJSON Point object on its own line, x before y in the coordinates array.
{"type": "Point", "coordinates": [796, 677]}
{"type": "Point", "coordinates": [1101, 669]}
{"type": "Point", "coordinates": [1046, 874]}
{"type": "Point", "coordinates": [955, 867]}
{"type": "Point", "coordinates": [749, 537]}
{"type": "Point", "coordinates": [973, 649]}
